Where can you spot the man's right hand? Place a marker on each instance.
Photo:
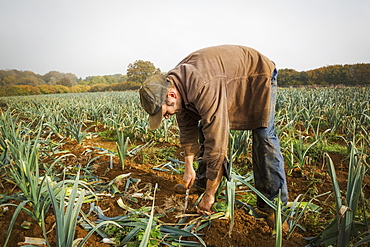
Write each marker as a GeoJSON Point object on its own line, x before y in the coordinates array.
{"type": "Point", "coordinates": [189, 172]}
{"type": "Point", "coordinates": [205, 205]}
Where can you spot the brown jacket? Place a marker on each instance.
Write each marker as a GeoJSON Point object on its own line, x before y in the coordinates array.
{"type": "Point", "coordinates": [224, 87]}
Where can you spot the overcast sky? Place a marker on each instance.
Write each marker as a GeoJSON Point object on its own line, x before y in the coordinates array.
{"type": "Point", "coordinates": [92, 37]}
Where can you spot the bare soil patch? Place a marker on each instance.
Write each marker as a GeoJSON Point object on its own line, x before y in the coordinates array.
{"type": "Point", "coordinates": [247, 231]}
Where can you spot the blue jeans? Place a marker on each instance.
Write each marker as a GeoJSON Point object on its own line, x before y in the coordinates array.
{"type": "Point", "coordinates": [268, 162]}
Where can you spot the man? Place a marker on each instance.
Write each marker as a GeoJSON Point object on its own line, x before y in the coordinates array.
{"type": "Point", "coordinates": [221, 87]}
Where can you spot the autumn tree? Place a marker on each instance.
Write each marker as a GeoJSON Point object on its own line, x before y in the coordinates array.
{"type": "Point", "coordinates": [55, 77]}
{"type": "Point", "coordinates": [65, 82]}
{"type": "Point", "coordinates": [30, 80]}
{"type": "Point", "coordinates": [140, 70]}
{"type": "Point", "coordinates": [359, 74]}
{"type": "Point", "coordinates": [110, 79]}
{"type": "Point", "coordinates": [288, 77]}
{"type": "Point", "coordinates": [52, 77]}
{"type": "Point", "coordinates": [9, 80]}
{"type": "Point", "coordinates": [95, 80]}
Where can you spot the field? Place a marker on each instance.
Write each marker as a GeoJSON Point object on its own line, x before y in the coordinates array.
{"type": "Point", "coordinates": [83, 168]}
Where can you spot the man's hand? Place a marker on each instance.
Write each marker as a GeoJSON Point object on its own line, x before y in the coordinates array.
{"type": "Point", "coordinates": [208, 199]}
{"type": "Point", "coordinates": [205, 205]}
{"type": "Point", "coordinates": [189, 173]}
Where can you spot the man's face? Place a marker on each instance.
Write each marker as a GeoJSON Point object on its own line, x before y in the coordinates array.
{"type": "Point", "coordinates": [171, 106]}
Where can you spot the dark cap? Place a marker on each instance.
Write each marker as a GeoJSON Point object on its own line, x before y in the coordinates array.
{"type": "Point", "coordinates": [152, 96]}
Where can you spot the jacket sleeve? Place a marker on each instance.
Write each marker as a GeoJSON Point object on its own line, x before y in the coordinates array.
{"type": "Point", "coordinates": [188, 133]}
{"type": "Point", "coordinates": [211, 103]}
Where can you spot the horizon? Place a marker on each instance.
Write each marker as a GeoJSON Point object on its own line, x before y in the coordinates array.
{"type": "Point", "coordinates": [167, 71]}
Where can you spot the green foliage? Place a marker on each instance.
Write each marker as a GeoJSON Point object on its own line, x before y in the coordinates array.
{"type": "Point", "coordinates": [345, 226]}
{"type": "Point", "coordinates": [74, 128]}
{"type": "Point", "coordinates": [310, 120]}
{"type": "Point", "coordinates": [66, 216]}
{"type": "Point", "coordinates": [155, 236]}
{"type": "Point", "coordinates": [21, 161]}
{"type": "Point", "coordinates": [356, 74]}
{"type": "Point", "coordinates": [108, 135]}
{"type": "Point", "coordinates": [290, 77]}
{"type": "Point", "coordinates": [16, 77]}
{"type": "Point", "coordinates": [93, 80]}
{"type": "Point", "coordinates": [106, 79]}
{"type": "Point", "coordinates": [157, 154]}
{"type": "Point", "coordinates": [140, 70]}
{"type": "Point", "coordinates": [164, 153]}
{"type": "Point", "coordinates": [14, 83]}
{"type": "Point", "coordinates": [65, 82]}
{"type": "Point", "coordinates": [122, 86]}
{"type": "Point", "coordinates": [55, 78]}
{"type": "Point", "coordinates": [121, 147]}
{"type": "Point", "coordinates": [278, 222]}
{"type": "Point", "coordinates": [120, 233]}
{"type": "Point", "coordinates": [11, 81]}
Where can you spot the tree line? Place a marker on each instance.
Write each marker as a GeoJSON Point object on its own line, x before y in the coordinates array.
{"type": "Point", "coordinates": [347, 75]}
{"type": "Point", "coordinates": [29, 83]}
{"type": "Point", "coordinates": [15, 82]}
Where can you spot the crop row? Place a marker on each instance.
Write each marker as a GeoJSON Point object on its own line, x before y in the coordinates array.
{"type": "Point", "coordinates": [309, 122]}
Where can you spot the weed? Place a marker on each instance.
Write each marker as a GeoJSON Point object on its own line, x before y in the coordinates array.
{"type": "Point", "coordinates": [108, 135]}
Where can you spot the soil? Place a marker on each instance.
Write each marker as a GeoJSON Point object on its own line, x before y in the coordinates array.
{"type": "Point", "coordinates": [247, 230]}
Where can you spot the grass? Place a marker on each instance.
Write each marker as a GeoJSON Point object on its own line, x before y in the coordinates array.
{"type": "Point", "coordinates": [108, 135]}
{"type": "Point", "coordinates": [334, 148]}
{"type": "Point", "coordinates": [155, 154]}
